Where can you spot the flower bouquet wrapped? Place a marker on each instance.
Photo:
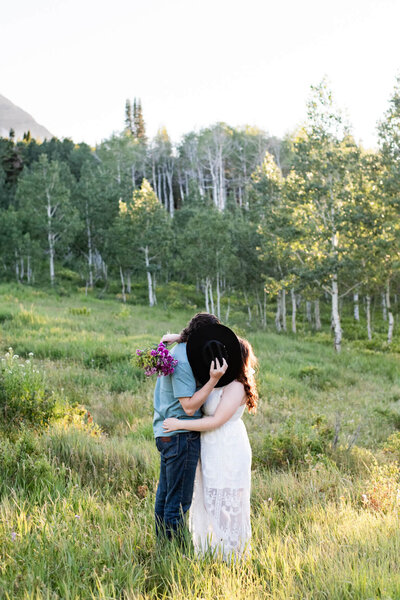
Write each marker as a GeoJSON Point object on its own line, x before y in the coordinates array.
{"type": "Point", "coordinates": [156, 360]}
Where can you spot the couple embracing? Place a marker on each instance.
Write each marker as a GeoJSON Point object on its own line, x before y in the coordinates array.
{"type": "Point", "coordinates": [203, 444]}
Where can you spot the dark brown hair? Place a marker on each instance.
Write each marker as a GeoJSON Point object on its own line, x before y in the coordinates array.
{"type": "Point", "coordinates": [246, 376]}
{"type": "Point", "coordinates": [197, 321]}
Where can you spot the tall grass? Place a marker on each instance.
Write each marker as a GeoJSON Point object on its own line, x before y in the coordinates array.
{"type": "Point", "coordinates": [76, 502]}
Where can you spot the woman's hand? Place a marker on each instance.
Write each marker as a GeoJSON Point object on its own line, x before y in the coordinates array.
{"type": "Point", "coordinates": [171, 338]}
{"type": "Point", "coordinates": [171, 424]}
{"type": "Point", "coordinates": [217, 371]}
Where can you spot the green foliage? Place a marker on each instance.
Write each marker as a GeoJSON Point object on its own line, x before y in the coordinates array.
{"type": "Point", "coordinates": [317, 377]}
{"type": "Point", "coordinates": [296, 443]}
{"type": "Point", "coordinates": [25, 400]}
{"type": "Point", "coordinates": [24, 469]}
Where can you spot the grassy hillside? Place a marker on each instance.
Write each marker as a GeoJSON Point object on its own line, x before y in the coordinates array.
{"type": "Point", "coordinates": [76, 503]}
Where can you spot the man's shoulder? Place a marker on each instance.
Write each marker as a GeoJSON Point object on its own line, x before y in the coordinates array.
{"type": "Point", "coordinates": [179, 352]}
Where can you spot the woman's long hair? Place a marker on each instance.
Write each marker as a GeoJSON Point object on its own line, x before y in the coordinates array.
{"type": "Point", "coordinates": [246, 375]}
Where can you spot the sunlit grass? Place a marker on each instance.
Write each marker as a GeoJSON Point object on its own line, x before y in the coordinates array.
{"type": "Point", "coordinates": [76, 511]}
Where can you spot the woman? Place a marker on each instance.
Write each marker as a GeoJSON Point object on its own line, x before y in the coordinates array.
{"type": "Point", "coordinates": [220, 512]}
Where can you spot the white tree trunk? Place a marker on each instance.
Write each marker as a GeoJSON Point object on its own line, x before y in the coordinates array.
{"type": "Point", "coordinates": [28, 269]}
{"type": "Point", "coordinates": [90, 248]}
{"type": "Point", "coordinates": [294, 309]}
{"type": "Point", "coordinates": [308, 311]}
{"type": "Point", "coordinates": [389, 314]}
{"type": "Point", "coordinates": [384, 308]}
{"type": "Point", "coordinates": [210, 293]}
{"type": "Point", "coordinates": [149, 277]}
{"type": "Point", "coordinates": [218, 298]}
{"type": "Point", "coordinates": [206, 296]}
{"type": "Point", "coordinates": [50, 238]}
{"type": "Point", "coordinates": [368, 311]}
{"type": "Point", "coordinates": [283, 310]}
{"type": "Point", "coordinates": [121, 273]}
{"type": "Point", "coordinates": [335, 314]}
{"type": "Point", "coordinates": [356, 307]}
{"type": "Point", "coordinates": [317, 316]}
{"type": "Point", "coordinates": [278, 312]}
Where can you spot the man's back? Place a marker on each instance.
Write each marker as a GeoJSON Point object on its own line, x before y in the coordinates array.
{"type": "Point", "coordinates": [170, 388]}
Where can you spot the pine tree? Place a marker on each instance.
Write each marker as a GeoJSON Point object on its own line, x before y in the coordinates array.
{"type": "Point", "coordinates": [139, 124]}
{"type": "Point", "coordinates": [128, 117]}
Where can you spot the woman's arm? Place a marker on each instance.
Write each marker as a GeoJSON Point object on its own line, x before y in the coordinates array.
{"type": "Point", "coordinates": [171, 338]}
{"type": "Point", "coordinates": [192, 403]}
{"type": "Point", "coordinates": [231, 400]}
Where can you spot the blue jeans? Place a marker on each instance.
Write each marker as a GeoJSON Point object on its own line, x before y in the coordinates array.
{"type": "Point", "coordinates": [179, 456]}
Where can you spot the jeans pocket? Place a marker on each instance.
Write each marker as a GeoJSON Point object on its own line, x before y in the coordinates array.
{"type": "Point", "coordinates": [169, 449]}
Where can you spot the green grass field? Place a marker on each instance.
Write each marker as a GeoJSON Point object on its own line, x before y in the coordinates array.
{"type": "Point", "coordinates": [76, 503]}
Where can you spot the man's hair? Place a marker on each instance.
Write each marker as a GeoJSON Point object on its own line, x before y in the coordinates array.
{"type": "Point", "coordinates": [197, 321]}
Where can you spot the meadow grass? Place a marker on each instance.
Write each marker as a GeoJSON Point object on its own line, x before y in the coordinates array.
{"type": "Point", "coordinates": [76, 502]}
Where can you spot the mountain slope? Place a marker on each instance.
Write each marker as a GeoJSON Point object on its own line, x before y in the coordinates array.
{"type": "Point", "coordinates": [11, 116]}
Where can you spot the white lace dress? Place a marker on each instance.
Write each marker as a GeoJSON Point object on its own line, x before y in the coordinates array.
{"type": "Point", "coordinates": [219, 518]}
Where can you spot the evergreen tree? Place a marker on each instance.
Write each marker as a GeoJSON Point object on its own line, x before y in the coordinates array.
{"type": "Point", "coordinates": [139, 124]}
{"type": "Point", "coordinates": [128, 118]}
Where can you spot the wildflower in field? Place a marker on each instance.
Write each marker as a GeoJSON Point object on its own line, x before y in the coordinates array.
{"type": "Point", "coordinates": [13, 536]}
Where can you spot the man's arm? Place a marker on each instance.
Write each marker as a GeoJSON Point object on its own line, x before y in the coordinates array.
{"type": "Point", "coordinates": [192, 403]}
{"type": "Point", "coordinates": [230, 402]}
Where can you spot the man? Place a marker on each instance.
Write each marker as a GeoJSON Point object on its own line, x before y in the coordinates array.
{"type": "Point", "coordinates": [176, 396]}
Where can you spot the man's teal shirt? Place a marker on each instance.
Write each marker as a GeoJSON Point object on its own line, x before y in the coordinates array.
{"type": "Point", "coordinates": [170, 388]}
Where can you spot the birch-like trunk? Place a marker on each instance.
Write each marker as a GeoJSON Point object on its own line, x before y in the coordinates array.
{"type": "Point", "coordinates": [389, 314]}
{"type": "Point", "coordinates": [50, 238]}
{"type": "Point", "coordinates": [210, 293]}
{"type": "Point", "coordinates": [335, 314]}
{"type": "Point", "coordinates": [228, 310]}
{"type": "Point", "coordinates": [121, 274]}
{"type": "Point", "coordinates": [368, 311]}
{"type": "Point", "coordinates": [283, 310]}
{"type": "Point", "coordinates": [294, 309]}
{"type": "Point", "coordinates": [29, 269]}
{"type": "Point", "coordinates": [149, 277]}
{"type": "Point", "coordinates": [90, 247]}
{"type": "Point", "coordinates": [278, 312]}
{"type": "Point", "coordinates": [384, 307]}
{"type": "Point", "coordinates": [356, 307]}
{"type": "Point", "coordinates": [171, 194]}
{"type": "Point", "coordinates": [264, 322]}
{"type": "Point", "coordinates": [317, 316]}
{"type": "Point", "coordinates": [206, 296]}
{"type": "Point", "coordinates": [218, 298]}
{"type": "Point", "coordinates": [308, 311]}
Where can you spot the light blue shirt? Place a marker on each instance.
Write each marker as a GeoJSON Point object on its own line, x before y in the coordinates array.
{"type": "Point", "coordinates": [170, 388]}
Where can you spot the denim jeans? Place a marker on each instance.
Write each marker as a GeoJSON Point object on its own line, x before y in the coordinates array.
{"type": "Point", "coordinates": [179, 456]}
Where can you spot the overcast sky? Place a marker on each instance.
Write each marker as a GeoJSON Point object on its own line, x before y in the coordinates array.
{"type": "Point", "coordinates": [73, 63]}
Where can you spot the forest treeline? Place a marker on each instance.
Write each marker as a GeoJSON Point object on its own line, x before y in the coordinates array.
{"type": "Point", "coordinates": [313, 217]}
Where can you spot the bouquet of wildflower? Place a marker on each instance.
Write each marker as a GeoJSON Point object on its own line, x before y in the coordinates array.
{"type": "Point", "coordinates": [155, 360]}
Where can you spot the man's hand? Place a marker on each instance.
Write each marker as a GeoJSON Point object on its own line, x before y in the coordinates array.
{"type": "Point", "coordinates": [217, 371]}
{"type": "Point", "coordinates": [171, 424]}
{"type": "Point", "coordinates": [170, 338]}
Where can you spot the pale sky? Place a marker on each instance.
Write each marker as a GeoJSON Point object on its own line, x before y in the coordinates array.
{"type": "Point", "coordinates": [73, 63]}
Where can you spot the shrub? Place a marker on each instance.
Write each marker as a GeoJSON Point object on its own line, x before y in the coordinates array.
{"type": "Point", "coordinates": [83, 310]}
{"type": "Point", "coordinates": [316, 377]}
{"type": "Point", "coordinates": [24, 399]}
{"type": "Point", "coordinates": [23, 466]}
{"type": "Point", "coordinates": [297, 443]}
{"type": "Point", "coordinates": [382, 489]}
{"type": "Point", "coordinates": [392, 445]}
